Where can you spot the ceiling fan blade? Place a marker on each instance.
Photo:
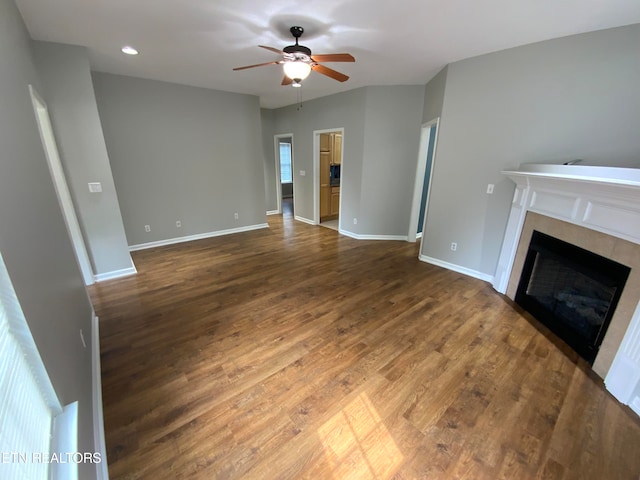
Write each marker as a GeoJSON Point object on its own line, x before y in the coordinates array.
{"type": "Point", "coordinates": [256, 65]}
{"type": "Point", "coordinates": [286, 81]}
{"type": "Point", "coordinates": [333, 57]}
{"type": "Point", "coordinates": [341, 77]}
{"type": "Point", "coordinates": [272, 49]}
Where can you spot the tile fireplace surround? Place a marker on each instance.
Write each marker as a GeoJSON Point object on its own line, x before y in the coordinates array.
{"type": "Point", "coordinates": [598, 209]}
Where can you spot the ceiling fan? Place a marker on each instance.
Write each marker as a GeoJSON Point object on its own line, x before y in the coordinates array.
{"type": "Point", "coordinates": [297, 61]}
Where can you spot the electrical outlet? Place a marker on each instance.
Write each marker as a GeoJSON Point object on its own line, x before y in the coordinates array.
{"type": "Point", "coordinates": [147, 228]}
{"type": "Point", "coordinates": [303, 173]}
{"type": "Point", "coordinates": [178, 224]}
{"type": "Point", "coordinates": [236, 216]}
{"type": "Point", "coordinates": [355, 221]}
{"type": "Point", "coordinates": [454, 246]}
{"type": "Point", "coordinates": [490, 188]}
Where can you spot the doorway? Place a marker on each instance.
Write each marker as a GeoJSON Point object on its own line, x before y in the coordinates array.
{"type": "Point", "coordinates": [60, 184]}
{"type": "Point", "coordinates": [328, 163]}
{"type": "Point", "coordinates": [424, 170]}
{"type": "Point", "coordinates": [283, 144]}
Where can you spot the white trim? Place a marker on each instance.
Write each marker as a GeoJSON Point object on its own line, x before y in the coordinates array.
{"type": "Point", "coordinates": [421, 170]}
{"type": "Point", "coordinates": [272, 212]}
{"type": "Point", "coordinates": [623, 377]}
{"type": "Point", "coordinates": [199, 236]}
{"type": "Point", "coordinates": [359, 236]}
{"type": "Point", "coordinates": [65, 439]}
{"type": "Point", "coordinates": [456, 268]}
{"type": "Point", "coordinates": [102, 472]}
{"type": "Point", "coordinates": [60, 183]}
{"type": "Point", "coordinates": [304, 220]}
{"type": "Point", "coordinates": [604, 199]}
{"type": "Point", "coordinates": [125, 272]}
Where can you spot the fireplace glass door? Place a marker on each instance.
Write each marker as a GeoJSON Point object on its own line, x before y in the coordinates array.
{"type": "Point", "coordinates": [572, 291]}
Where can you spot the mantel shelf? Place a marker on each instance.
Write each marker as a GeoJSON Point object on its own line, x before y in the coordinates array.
{"type": "Point", "coordinates": [581, 173]}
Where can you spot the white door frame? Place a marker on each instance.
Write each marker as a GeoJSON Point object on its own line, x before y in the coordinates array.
{"type": "Point", "coordinates": [276, 146]}
{"type": "Point", "coordinates": [316, 174]}
{"type": "Point", "coordinates": [420, 172]}
{"type": "Point", "coordinates": [60, 184]}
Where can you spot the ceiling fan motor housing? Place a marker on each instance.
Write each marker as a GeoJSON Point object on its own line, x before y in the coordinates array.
{"type": "Point", "coordinates": [297, 51]}
{"type": "Point", "coordinates": [293, 49]}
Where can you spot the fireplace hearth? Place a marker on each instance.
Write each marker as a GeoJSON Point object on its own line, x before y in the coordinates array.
{"type": "Point", "coordinates": [573, 291]}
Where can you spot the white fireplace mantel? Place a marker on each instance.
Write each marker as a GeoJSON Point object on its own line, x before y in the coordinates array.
{"type": "Point", "coordinates": [605, 199]}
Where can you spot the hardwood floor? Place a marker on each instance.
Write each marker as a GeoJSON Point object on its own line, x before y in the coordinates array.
{"type": "Point", "coordinates": [294, 352]}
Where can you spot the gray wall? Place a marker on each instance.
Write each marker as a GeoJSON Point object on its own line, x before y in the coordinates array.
{"type": "Point", "coordinates": [182, 153]}
{"type": "Point", "coordinates": [343, 110]}
{"type": "Point", "coordinates": [380, 150]}
{"type": "Point", "coordinates": [33, 237]}
{"type": "Point", "coordinates": [67, 86]}
{"type": "Point", "coordinates": [434, 96]}
{"type": "Point", "coordinates": [268, 148]}
{"type": "Point", "coordinates": [574, 97]}
{"type": "Point", "coordinates": [391, 142]}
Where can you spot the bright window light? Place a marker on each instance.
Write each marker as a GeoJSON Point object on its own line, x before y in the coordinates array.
{"type": "Point", "coordinates": [285, 163]}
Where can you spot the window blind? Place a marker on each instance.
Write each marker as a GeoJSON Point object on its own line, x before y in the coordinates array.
{"type": "Point", "coordinates": [286, 175]}
{"type": "Point", "coordinates": [28, 401]}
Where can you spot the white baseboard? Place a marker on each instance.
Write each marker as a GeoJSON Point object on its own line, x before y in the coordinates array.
{"type": "Point", "coordinates": [358, 236]}
{"type": "Point", "coordinates": [457, 268]}
{"type": "Point", "coordinates": [65, 439]}
{"type": "Point", "coordinates": [199, 236]}
{"type": "Point", "coordinates": [304, 220]}
{"type": "Point", "coordinates": [273, 212]}
{"type": "Point", "coordinates": [100, 446]}
{"type": "Point", "coordinates": [101, 277]}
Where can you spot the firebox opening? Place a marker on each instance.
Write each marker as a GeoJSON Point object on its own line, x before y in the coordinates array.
{"type": "Point", "coordinates": [572, 291]}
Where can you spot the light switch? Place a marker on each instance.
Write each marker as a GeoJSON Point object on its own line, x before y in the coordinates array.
{"type": "Point", "coordinates": [95, 187]}
{"type": "Point", "coordinates": [303, 173]}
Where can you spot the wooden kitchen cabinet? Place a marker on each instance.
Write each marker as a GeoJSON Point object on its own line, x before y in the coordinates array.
{"type": "Point", "coordinates": [336, 148]}
{"type": "Point", "coordinates": [325, 142]}
{"type": "Point", "coordinates": [334, 208]}
{"type": "Point", "coordinates": [325, 187]}
{"type": "Point", "coordinates": [325, 202]}
{"type": "Point", "coordinates": [330, 154]}
{"type": "Point", "coordinates": [332, 144]}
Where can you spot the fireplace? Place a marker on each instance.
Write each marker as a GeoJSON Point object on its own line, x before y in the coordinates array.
{"type": "Point", "coordinates": [598, 210]}
{"type": "Point", "coordinates": [573, 291]}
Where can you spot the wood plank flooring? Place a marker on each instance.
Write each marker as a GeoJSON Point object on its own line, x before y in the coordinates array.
{"type": "Point", "coordinates": [294, 352]}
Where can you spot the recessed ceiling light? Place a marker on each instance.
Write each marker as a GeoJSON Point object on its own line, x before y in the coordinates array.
{"type": "Point", "coordinates": [129, 50]}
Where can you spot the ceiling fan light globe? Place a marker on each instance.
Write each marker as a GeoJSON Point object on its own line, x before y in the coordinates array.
{"type": "Point", "coordinates": [296, 70]}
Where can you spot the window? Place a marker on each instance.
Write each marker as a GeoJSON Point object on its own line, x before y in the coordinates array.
{"type": "Point", "coordinates": [28, 403]}
{"type": "Point", "coordinates": [285, 163]}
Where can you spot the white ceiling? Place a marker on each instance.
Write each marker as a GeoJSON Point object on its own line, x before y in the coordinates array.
{"type": "Point", "coordinates": [401, 42]}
